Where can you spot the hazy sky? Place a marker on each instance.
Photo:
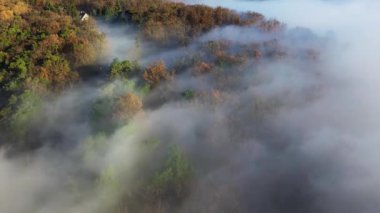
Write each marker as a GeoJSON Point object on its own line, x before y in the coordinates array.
{"type": "Point", "coordinates": [321, 16]}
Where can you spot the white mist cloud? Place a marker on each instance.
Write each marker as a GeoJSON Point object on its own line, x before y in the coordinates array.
{"type": "Point", "coordinates": [121, 39]}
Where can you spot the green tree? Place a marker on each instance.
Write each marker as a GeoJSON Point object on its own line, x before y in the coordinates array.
{"type": "Point", "coordinates": [27, 108]}
{"type": "Point", "coordinates": [120, 69]}
{"type": "Point", "coordinates": [174, 180]}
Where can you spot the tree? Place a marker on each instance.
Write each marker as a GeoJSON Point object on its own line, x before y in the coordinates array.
{"type": "Point", "coordinates": [127, 106]}
{"type": "Point", "coordinates": [173, 181]}
{"type": "Point", "coordinates": [156, 73]}
{"type": "Point", "coordinates": [27, 106]}
{"type": "Point", "coordinates": [120, 69]}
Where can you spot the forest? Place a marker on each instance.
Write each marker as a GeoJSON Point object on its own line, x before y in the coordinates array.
{"type": "Point", "coordinates": [205, 110]}
{"type": "Point", "coordinates": [44, 45]}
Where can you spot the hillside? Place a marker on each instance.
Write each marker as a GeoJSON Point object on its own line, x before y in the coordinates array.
{"type": "Point", "coordinates": [44, 45]}
{"type": "Point", "coordinates": [203, 98]}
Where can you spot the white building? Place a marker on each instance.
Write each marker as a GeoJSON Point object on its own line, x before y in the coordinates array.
{"type": "Point", "coordinates": [84, 16]}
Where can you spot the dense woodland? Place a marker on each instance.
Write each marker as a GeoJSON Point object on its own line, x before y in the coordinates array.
{"type": "Point", "coordinates": [44, 45]}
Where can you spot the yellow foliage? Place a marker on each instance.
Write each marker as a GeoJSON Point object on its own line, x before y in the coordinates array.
{"type": "Point", "coordinates": [20, 8]}
{"type": "Point", "coordinates": [6, 15]}
{"type": "Point", "coordinates": [9, 8]}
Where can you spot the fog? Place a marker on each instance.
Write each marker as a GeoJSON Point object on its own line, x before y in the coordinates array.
{"type": "Point", "coordinates": [292, 135]}
{"type": "Point", "coordinates": [122, 40]}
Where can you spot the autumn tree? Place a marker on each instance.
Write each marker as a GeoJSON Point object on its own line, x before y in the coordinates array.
{"type": "Point", "coordinates": [156, 73]}
{"type": "Point", "coordinates": [127, 106]}
{"type": "Point", "coordinates": [41, 47]}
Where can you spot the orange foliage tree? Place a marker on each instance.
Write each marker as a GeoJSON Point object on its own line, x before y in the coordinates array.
{"type": "Point", "coordinates": [156, 73]}
{"type": "Point", "coordinates": [127, 106]}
